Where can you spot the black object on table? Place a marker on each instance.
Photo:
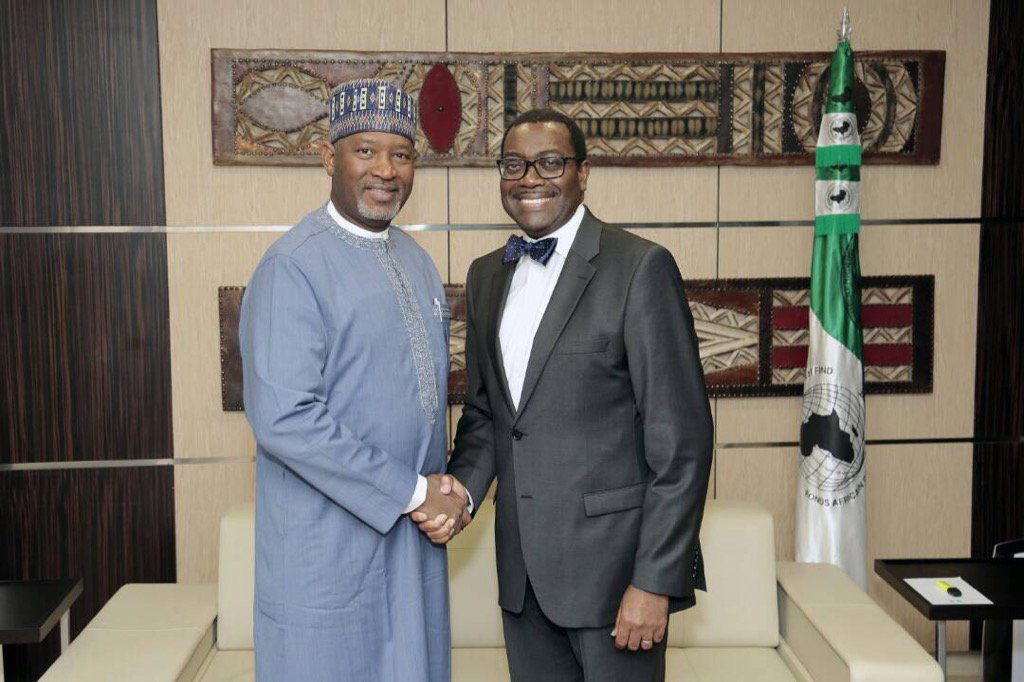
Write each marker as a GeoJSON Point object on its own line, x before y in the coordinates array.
{"type": "Point", "coordinates": [1001, 580]}
{"type": "Point", "coordinates": [30, 608]}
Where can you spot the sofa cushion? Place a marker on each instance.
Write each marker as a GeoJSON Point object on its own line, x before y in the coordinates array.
{"type": "Point", "coordinates": [479, 665]}
{"type": "Point", "coordinates": [237, 578]}
{"type": "Point", "coordinates": [810, 583]}
{"type": "Point", "coordinates": [146, 655]}
{"type": "Point", "coordinates": [726, 664]}
{"type": "Point", "coordinates": [740, 607]}
{"type": "Point", "coordinates": [230, 666]}
{"type": "Point", "coordinates": [158, 606]}
{"type": "Point", "coordinates": [468, 665]}
{"type": "Point", "coordinates": [145, 632]}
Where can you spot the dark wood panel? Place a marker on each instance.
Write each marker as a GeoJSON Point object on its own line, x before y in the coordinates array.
{"type": "Point", "coordinates": [84, 333]}
{"type": "Point", "coordinates": [84, 347]}
{"type": "Point", "coordinates": [107, 526]}
{"type": "Point", "coordinates": [80, 132]}
{"type": "Point", "coordinates": [998, 494]}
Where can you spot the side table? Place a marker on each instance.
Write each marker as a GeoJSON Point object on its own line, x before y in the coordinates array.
{"type": "Point", "coordinates": [30, 608]}
{"type": "Point", "coordinates": [1001, 580]}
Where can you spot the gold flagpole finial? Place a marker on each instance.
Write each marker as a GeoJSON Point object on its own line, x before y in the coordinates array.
{"type": "Point", "coordinates": [845, 28]}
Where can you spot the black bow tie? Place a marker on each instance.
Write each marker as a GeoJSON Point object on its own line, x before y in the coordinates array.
{"type": "Point", "coordinates": [540, 251]}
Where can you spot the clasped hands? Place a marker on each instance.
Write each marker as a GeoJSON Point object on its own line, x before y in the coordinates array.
{"type": "Point", "coordinates": [445, 512]}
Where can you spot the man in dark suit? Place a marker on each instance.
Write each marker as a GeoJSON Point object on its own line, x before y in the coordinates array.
{"type": "Point", "coordinates": [587, 401]}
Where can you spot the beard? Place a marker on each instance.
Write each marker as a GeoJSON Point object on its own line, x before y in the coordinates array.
{"type": "Point", "coordinates": [384, 212]}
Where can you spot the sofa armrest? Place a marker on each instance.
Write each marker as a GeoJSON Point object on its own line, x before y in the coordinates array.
{"type": "Point", "coordinates": [145, 632]}
{"type": "Point", "coordinates": [837, 632]}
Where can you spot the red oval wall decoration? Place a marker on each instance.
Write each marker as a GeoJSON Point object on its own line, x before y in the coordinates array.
{"type": "Point", "coordinates": [440, 108]}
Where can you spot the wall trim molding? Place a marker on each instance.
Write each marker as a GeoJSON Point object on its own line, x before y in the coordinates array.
{"type": "Point", "coordinates": [472, 227]}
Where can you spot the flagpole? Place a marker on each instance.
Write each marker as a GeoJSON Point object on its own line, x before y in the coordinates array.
{"type": "Point", "coordinates": [830, 505]}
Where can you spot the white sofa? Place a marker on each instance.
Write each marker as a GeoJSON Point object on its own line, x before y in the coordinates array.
{"type": "Point", "coordinates": [760, 620]}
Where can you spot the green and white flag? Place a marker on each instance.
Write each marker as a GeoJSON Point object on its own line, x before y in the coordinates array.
{"type": "Point", "coordinates": [830, 510]}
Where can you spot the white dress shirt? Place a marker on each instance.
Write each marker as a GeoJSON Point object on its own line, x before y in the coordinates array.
{"type": "Point", "coordinates": [419, 495]}
{"type": "Point", "coordinates": [528, 298]}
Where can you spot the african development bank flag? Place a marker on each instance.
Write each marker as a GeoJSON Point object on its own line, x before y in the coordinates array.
{"type": "Point", "coordinates": [830, 510]}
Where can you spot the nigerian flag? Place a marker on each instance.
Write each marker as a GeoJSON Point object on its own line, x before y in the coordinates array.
{"type": "Point", "coordinates": [830, 510]}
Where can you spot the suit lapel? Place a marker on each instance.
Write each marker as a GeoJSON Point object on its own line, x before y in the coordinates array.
{"type": "Point", "coordinates": [501, 280]}
{"type": "Point", "coordinates": [573, 280]}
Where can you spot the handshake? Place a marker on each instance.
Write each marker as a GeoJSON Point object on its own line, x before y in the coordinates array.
{"type": "Point", "coordinates": [445, 512]}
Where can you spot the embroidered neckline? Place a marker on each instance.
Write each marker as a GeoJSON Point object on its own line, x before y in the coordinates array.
{"type": "Point", "coordinates": [344, 235]}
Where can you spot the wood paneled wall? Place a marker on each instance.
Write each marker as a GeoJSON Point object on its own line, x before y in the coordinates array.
{"type": "Point", "coordinates": [80, 99]}
{"type": "Point", "coordinates": [84, 333]}
{"type": "Point", "coordinates": [998, 508]}
{"type": "Point", "coordinates": [86, 364]}
{"type": "Point", "coordinates": [198, 193]}
{"type": "Point", "coordinates": [106, 526]}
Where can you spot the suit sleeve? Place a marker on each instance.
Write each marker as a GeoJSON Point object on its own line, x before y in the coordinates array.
{"type": "Point", "coordinates": [473, 461]}
{"type": "Point", "coordinates": [284, 346]}
{"type": "Point", "coordinates": [678, 433]}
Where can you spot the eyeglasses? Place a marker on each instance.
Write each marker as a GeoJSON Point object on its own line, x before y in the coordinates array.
{"type": "Point", "coordinates": [547, 167]}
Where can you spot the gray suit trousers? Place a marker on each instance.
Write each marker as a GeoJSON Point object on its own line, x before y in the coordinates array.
{"type": "Point", "coordinates": [540, 651]}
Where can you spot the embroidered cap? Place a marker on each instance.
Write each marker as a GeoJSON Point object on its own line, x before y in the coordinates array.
{"type": "Point", "coordinates": [371, 104]}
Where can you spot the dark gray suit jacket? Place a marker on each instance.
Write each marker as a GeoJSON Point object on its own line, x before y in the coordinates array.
{"type": "Point", "coordinates": [603, 470]}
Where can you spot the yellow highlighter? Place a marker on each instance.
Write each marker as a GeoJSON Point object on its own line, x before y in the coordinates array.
{"type": "Point", "coordinates": [948, 589]}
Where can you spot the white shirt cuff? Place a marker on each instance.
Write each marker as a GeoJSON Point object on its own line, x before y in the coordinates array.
{"type": "Point", "coordinates": [419, 496]}
{"type": "Point", "coordinates": [469, 497]}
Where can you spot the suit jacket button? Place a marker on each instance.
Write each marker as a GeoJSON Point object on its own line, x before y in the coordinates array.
{"type": "Point", "coordinates": [517, 435]}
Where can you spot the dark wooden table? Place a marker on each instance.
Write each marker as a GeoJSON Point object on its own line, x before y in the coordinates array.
{"type": "Point", "coordinates": [30, 608]}
{"type": "Point", "coordinates": [1000, 580]}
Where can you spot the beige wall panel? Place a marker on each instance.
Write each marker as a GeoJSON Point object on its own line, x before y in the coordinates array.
{"type": "Point", "coordinates": [919, 505]}
{"type": "Point", "coordinates": [695, 250]}
{"type": "Point", "coordinates": [948, 252]}
{"type": "Point", "coordinates": [766, 251]}
{"type": "Point", "coordinates": [196, 265]}
{"type": "Point", "coordinates": [435, 243]}
{"type": "Point", "coordinates": [659, 195]}
{"type": "Point", "coordinates": [953, 188]}
{"type": "Point", "coordinates": [203, 492]}
{"type": "Point", "coordinates": [583, 25]}
{"type": "Point", "coordinates": [197, 192]}
{"type": "Point", "coordinates": [951, 254]}
{"type": "Point", "coordinates": [467, 246]}
{"type": "Point", "coordinates": [474, 197]}
{"type": "Point", "coordinates": [654, 195]}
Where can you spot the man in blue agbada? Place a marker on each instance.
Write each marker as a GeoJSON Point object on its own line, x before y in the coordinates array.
{"type": "Point", "coordinates": [344, 337]}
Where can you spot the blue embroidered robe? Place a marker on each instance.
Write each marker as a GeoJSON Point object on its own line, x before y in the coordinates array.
{"type": "Point", "coordinates": [345, 357]}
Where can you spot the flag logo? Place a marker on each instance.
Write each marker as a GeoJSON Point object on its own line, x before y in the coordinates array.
{"type": "Point", "coordinates": [839, 197]}
{"type": "Point", "coordinates": [832, 441]}
{"type": "Point", "coordinates": [836, 197]}
{"type": "Point", "coordinates": [842, 129]}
